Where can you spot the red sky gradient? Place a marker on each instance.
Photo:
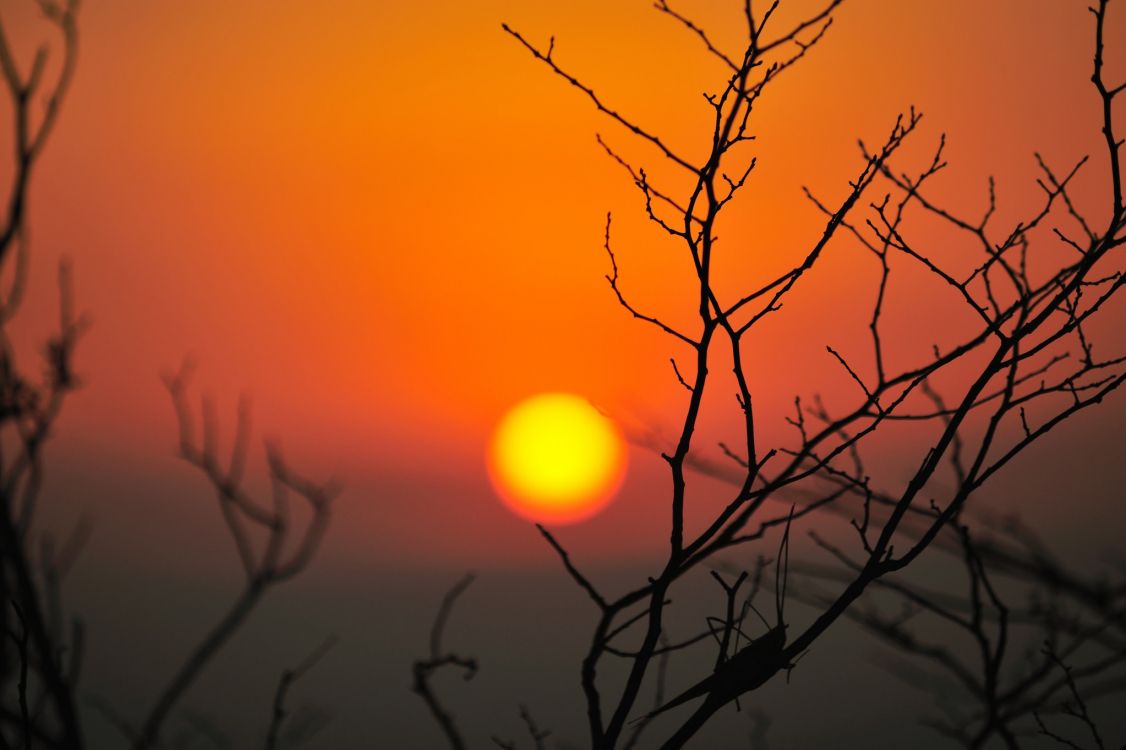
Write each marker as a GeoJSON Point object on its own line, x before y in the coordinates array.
{"type": "Point", "coordinates": [384, 221]}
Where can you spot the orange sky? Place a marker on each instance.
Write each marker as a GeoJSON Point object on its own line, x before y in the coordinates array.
{"type": "Point", "coordinates": [384, 220]}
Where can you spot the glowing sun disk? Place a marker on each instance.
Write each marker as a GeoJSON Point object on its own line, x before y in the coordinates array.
{"type": "Point", "coordinates": [555, 458]}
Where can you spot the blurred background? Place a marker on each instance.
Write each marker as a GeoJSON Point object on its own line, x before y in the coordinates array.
{"type": "Point", "coordinates": [383, 222]}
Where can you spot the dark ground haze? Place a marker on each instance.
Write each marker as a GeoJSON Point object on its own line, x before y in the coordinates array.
{"type": "Point", "coordinates": [525, 622]}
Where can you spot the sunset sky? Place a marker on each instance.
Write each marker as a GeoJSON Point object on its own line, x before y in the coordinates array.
{"type": "Point", "coordinates": [383, 221]}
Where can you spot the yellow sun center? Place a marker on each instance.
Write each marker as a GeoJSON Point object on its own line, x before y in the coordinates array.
{"type": "Point", "coordinates": [555, 458]}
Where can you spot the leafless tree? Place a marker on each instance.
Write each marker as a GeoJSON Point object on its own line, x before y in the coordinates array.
{"type": "Point", "coordinates": [40, 655]}
{"type": "Point", "coordinates": [437, 660]}
{"type": "Point", "coordinates": [1022, 633]}
{"type": "Point", "coordinates": [39, 662]}
{"type": "Point", "coordinates": [1035, 291]}
{"type": "Point", "coordinates": [284, 553]}
{"type": "Point", "coordinates": [280, 713]}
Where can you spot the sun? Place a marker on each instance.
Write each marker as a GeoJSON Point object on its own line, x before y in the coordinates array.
{"type": "Point", "coordinates": [554, 458]}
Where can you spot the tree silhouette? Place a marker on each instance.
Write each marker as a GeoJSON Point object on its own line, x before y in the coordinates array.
{"type": "Point", "coordinates": [36, 646]}
{"type": "Point", "coordinates": [40, 656]}
{"type": "Point", "coordinates": [1028, 364]}
{"type": "Point", "coordinates": [1022, 635]}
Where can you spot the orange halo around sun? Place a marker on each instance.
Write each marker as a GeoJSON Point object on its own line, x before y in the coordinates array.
{"type": "Point", "coordinates": [554, 458]}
